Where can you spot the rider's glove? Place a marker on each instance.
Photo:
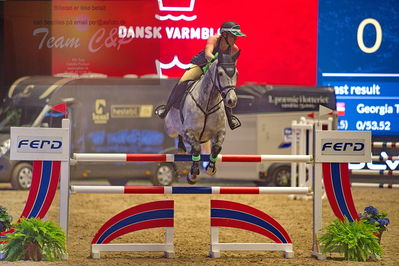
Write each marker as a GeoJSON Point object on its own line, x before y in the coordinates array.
{"type": "Point", "coordinates": [206, 67]}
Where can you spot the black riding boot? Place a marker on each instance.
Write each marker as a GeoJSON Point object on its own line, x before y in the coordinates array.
{"type": "Point", "coordinates": [233, 121]}
{"type": "Point", "coordinates": [175, 96]}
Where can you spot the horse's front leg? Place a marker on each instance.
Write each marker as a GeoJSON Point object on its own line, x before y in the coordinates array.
{"type": "Point", "coordinates": [195, 153]}
{"type": "Point", "coordinates": [217, 142]}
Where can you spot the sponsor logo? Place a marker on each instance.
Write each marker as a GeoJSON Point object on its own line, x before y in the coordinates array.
{"type": "Point", "coordinates": [342, 147]}
{"type": "Point", "coordinates": [131, 111]}
{"type": "Point", "coordinates": [387, 165]}
{"type": "Point", "coordinates": [39, 144]}
{"type": "Point", "coordinates": [185, 6]}
{"type": "Point", "coordinates": [100, 116]}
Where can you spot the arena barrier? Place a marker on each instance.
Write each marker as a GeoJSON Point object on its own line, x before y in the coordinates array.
{"type": "Point", "coordinates": [336, 175]}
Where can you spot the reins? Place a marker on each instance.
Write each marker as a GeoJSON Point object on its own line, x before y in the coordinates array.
{"type": "Point", "coordinates": [208, 111]}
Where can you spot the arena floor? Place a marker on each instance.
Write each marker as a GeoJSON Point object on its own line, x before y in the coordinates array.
{"type": "Point", "coordinates": [89, 211]}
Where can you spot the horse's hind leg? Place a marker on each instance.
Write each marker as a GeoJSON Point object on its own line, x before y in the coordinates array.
{"type": "Point", "coordinates": [195, 152]}
{"type": "Point", "coordinates": [216, 148]}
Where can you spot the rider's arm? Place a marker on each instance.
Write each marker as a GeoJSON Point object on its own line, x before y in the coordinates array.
{"type": "Point", "coordinates": [210, 45]}
{"type": "Point", "coordinates": [235, 50]}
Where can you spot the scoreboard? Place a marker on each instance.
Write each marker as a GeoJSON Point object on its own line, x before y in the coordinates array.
{"type": "Point", "coordinates": [358, 54]}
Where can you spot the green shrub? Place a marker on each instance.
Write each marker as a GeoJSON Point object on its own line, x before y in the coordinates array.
{"type": "Point", "coordinates": [35, 239]}
{"type": "Point", "coordinates": [5, 219]}
{"type": "Point", "coordinates": [356, 240]}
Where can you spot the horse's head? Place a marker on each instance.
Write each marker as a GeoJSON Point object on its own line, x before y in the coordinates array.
{"type": "Point", "coordinates": [226, 78]}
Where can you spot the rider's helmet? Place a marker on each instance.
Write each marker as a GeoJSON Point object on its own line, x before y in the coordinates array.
{"type": "Point", "coordinates": [231, 27]}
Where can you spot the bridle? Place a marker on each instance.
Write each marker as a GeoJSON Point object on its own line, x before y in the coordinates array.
{"type": "Point", "coordinates": [215, 83]}
{"type": "Point", "coordinates": [223, 90]}
{"type": "Point", "coordinates": [226, 89]}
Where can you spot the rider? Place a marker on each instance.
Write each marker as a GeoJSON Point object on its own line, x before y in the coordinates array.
{"type": "Point", "coordinates": [218, 43]}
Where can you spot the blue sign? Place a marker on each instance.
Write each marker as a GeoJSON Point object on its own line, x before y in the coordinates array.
{"type": "Point", "coordinates": [358, 54]}
{"type": "Point", "coordinates": [371, 106]}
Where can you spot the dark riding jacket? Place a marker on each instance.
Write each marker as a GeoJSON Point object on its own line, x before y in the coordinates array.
{"type": "Point", "coordinates": [200, 59]}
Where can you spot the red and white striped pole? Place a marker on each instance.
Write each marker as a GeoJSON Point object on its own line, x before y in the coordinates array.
{"type": "Point", "coordinates": [128, 157]}
{"type": "Point", "coordinates": [188, 190]}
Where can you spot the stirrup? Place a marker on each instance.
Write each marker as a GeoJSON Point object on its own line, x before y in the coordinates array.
{"type": "Point", "coordinates": [234, 122]}
{"type": "Point", "coordinates": [161, 111]}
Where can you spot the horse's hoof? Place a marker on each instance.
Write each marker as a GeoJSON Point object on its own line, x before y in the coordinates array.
{"type": "Point", "coordinates": [211, 170]}
{"type": "Point", "coordinates": [194, 171]}
{"type": "Point", "coordinates": [191, 179]}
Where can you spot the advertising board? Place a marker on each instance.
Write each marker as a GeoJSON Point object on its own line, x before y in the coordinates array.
{"type": "Point", "coordinates": [48, 144]}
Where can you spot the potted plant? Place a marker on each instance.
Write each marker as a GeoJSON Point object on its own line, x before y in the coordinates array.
{"type": "Point", "coordinates": [5, 220]}
{"type": "Point", "coordinates": [35, 239]}
{"type": "Point", "coordinates": [5, 224]}
{"type": "Point", "coordinates": [372, 216]}
{"type": "Point", "coordinates": [355, 240]}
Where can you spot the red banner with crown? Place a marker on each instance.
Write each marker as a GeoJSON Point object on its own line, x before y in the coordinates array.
{"type": "Point", "coordinates": [149, 36]}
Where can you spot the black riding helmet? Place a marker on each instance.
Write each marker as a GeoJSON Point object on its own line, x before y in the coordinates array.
{"type": "Point", "coordinates": [232, 27]}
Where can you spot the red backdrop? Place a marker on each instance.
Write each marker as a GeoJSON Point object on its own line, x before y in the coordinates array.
{"type": "Point", "coordinates": [280, 47]}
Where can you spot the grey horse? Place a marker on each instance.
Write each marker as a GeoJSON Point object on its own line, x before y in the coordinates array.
{"type": "Point", "coordinates": [202, 116]}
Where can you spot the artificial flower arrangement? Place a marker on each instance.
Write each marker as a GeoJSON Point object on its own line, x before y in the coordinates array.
{"type": "Point", "coordinates": [372, 216]}
{"type": "Point", "coordinates": [359, 240]}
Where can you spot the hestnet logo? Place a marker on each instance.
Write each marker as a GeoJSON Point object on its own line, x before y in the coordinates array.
{"type": "Point", "coordinates": [39, 144]}
{"type": "Point", "coordinates": [343, 147]}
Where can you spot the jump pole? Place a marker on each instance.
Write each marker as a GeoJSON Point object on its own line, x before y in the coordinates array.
{"type": "Point", "coordinates": [128, 157]}
{"type": "Point", "coordinates": [385, 144]}
{"type": "Point", "coordinates": [188, 190]}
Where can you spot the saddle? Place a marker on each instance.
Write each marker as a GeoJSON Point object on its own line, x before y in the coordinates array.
{"type": "Point", "coordinates": [182, 90]}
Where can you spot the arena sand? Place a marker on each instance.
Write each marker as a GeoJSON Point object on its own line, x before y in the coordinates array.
{"type": "Point", "coordinates": [89, 211]}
